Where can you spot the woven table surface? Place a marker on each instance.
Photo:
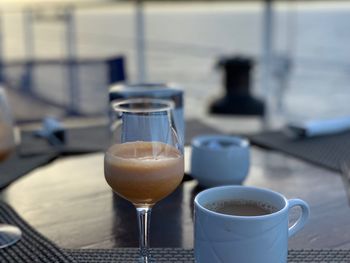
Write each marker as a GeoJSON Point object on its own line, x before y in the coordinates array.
{"type": "Point", "coordinates": [162, 255]}
{"type": "Point", "coordinates": [327, 151]}
{"type": "Point", "coordinates": [34, 247]}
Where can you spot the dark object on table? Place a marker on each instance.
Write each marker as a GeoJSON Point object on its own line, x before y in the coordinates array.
{"type": "Point", "coordinates": [237, 100]}
{"type": "Point", "coordinates": [165, 91]}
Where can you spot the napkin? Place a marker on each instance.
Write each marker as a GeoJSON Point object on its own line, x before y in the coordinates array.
{"type": "Point", "coordinates": [318, 127]}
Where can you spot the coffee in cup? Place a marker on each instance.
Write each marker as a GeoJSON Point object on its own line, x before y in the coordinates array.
{"type": "Point", "coordinates": [244, 224]}
{"type": "Point", "coordinates": [240, 207]}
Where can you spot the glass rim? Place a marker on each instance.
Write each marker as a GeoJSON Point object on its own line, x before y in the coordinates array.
{"type": "Point", "coordinates": [165, 105]}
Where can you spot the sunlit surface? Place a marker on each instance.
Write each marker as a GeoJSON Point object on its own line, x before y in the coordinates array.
{"type": "Point", "coordinates": [35, 3]}
{"type": "Point", "coordinates": [184, 42]}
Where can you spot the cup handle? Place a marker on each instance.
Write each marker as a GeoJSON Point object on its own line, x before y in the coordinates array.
{"type": "Point", "coordinates": [305, 211]}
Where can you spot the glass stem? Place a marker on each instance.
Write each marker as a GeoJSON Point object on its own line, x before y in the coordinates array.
{"type": "Point", "coordinates": [144, 219]}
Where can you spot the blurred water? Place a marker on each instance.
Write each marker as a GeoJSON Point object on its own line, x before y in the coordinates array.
{"type": "Point", "coordinates": [185, 40]}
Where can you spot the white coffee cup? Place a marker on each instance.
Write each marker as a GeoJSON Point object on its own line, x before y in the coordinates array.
{"type": "Point", "coordinates": [244, 239]}
{"type": "Point", "coordinates": [219, 160]}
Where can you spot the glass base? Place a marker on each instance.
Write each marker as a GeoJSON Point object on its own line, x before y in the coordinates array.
{"type": "Point", "coordinates": [9, 235]}
{"type": "Point", "coordinates": [146, 259]}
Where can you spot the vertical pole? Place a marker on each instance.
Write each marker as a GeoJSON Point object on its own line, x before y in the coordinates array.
{"type": "Point", "coordinates": [2, 78]}
{"type": "Point", "coordinates": [286, 69]}
{"type": "Point", "coordinates": [29, 50]}
{"type": "Point", "coordinates": [71, 33]}
{"type": "Point", "coordinates": [73, 78]}
{"type": "Point", "coordinates": [267, 49]}
{"type": "Point", "coordinates": [28, 34]}
{"type": "Point", "coordinates": [140, 42]}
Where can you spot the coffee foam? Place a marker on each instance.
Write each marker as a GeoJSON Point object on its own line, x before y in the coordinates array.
{"type": "Point", "coordinates": [217, 205]}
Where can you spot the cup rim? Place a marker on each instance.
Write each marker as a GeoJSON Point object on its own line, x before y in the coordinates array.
{"type": "Point", "coordinates": [198, 141]}
{"type": "Point", "coordinates": [245, 218]}
{"type": "Point", "coordinates": [165, 105]}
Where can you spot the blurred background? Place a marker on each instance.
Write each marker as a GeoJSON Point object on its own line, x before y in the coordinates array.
{"type": "Point", "coordinates": [301, 68]}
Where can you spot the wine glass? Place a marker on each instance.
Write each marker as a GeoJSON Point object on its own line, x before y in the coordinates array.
{"type": "Point", "coordinates": [8, 234]}
{"type": "Point", "coordinates": [145, 161]}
